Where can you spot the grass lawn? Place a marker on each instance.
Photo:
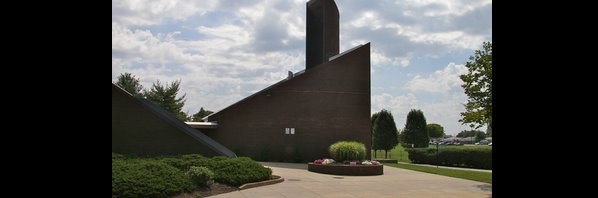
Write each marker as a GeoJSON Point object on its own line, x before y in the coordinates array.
{"type": "Point", "coordinates": [463, 174]}
{"type": "Point", "coordinates": [401, 155]}
{"type": "Point", "coordinates": [397, 153]}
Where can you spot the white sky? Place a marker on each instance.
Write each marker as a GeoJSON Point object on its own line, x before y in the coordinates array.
{"type": "Point", "coordinates": [225, 50]}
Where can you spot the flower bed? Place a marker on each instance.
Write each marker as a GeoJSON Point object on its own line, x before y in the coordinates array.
{"type": "Point", "coordinates": [353, 168]}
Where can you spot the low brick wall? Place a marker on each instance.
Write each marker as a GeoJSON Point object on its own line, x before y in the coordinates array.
{"type": "Point", "coordinates": [342, 169]}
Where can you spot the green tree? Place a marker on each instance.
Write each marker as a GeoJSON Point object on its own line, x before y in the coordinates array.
{"type": "Point", "coordinates": [415, 131]}
{"type": "Point", "coordinates": [435, 130]}
{"type": "Point", "coordinates": [200, 114]}
{"type": "Point", "coordinates": [374, 117]}
{"type": "Point", "coordinates": [478, 88]}
{"type": "Point", "coordinates": [385, 132]}
{"type": "Point", "coordinates": [480, 136]}
{"type": "Point", "coordinates": [129, 83]}
{"type": "Point", "coordinates": [165, 97]}
{"type": "Point", "coordinates": [465, 133]}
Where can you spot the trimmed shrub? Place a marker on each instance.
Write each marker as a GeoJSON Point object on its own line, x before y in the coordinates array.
{"type": "Point", "coordinates": [184, 162]}
{"type": "Point", "coordinates": [421, 155]}
{"type": "Point", "coordinates": [347, 150]}
{"type": "Point", "coordinates": [147, 178]}
{"type": "Point", "coordinates": [116, 156]}
{"type": "Point", "coordinates": [192, 156]}
{"type": "Point", "coordinates": [201, 175]}
{"type": "Point", "coordinates": [240, 170]}
{"type": "Point", "coordinates": [220, 158]}
{"type": "Point", "coordinates": [471, 158]}
{"type": "Point", "coordinates": [230, 171]}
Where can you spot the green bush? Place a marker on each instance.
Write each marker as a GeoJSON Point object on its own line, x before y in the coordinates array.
{"type": "Point", "coordinates": [345, 150]}
{"type": "Point", "coordinates": [230, 171]}
{"type": "Point", "coordinates": [184, 162]}
{"type": "Point", "coordinates": [240, 170]}
{"type": "Point", "coordinates": [219, 158]}
{"type": "Point", "coordinates": [116, 156]}
{"type": "Point", "coordinates": [471, 158]}
{"type": "Point", "coordinates": [147, 178]}
{"type": "Point", "coordinates": [201, 175]}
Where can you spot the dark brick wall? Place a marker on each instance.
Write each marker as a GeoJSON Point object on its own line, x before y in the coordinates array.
{"type": "Point", "coordinates": [322, 39]}
{"type": "Point", "coordinates": [136, 130]}
{"type": "Point", "coordinates": [326, 104]}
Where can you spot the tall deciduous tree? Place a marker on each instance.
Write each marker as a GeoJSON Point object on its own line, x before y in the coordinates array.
{"type": "Point", "coordinates": [200, 114]}
{"type": "Point", "coordinates": [415, 131]}
{"type": "Point", "coordinates": [385, 132]}
{"type": "Point", "coordinates": [165, 97]}
{"type": "Point", "coordinates": [435, 130]}
{"type": "Point", "coordinates": [478, 87]}
{"type": "Point", "coordinates": [129, 83]}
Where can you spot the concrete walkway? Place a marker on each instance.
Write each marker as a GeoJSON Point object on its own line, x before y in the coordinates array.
{"type": "Point", "coordinates": [395, 182]}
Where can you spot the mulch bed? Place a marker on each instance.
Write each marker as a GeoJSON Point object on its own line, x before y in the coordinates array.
{"type": "Point", "coordinates": [214, 189]}
{"type": "Point", "coordinates": [218, 188]}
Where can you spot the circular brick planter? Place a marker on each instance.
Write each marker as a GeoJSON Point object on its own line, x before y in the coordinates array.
{"type": "Point", "coordinates": [344, 169]}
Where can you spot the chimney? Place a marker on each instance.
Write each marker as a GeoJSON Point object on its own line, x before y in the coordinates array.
{"type": "Point", "coordinates": [322, 40]}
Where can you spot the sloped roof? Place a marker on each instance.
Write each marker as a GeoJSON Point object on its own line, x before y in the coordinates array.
{"type": "Point", "coordinates": [283, 81]}
{"type": "Point", "coordinates": [179, 125]}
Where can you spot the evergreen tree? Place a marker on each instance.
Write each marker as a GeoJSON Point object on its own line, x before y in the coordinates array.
{"type": "Point", "coordinates": [385, 132]}
{"type": "Point", "coordinates": [201, 114]}
{"type": "Point", "coordinates": [165, 97]}
{"type": "Point", "coordinates": [415, 131]}
{"type": "Point", "coordinates": [374, 117]}
{"type": "Point", "coordinates": [129, 83]}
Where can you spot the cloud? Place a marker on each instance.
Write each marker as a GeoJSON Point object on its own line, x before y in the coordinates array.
{"type": "Point", "coordinates": [421, 27]}
{"type": "Point", "coordinates": [152, 12]}
{"type": "Point", "coordinates": [445, 112]}
{"type": "Point", "coordinates": [441, 81]}
{"type": "Point", "coordinates": [224, 50]}
{"type": "Point", "coordinates": [439, 95]}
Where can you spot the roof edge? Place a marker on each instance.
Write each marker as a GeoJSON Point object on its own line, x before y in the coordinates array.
{"type": "Point", "coordinates": [346, 52]}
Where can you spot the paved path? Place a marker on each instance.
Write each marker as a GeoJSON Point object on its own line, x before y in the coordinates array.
{"type": "Point", "coordinates": [395, 182]}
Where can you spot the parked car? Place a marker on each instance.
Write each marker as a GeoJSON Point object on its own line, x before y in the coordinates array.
{"type": "Point", "coordinates": [490, 144]}
{"type": "Point", "coordinates": [482, 142]}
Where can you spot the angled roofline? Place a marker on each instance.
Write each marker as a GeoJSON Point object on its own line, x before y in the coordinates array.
{"type": "Point", "coordinates": [285, 80]}
{"type": "Point", "coordinates": [345, 52]}
{"type": "Point", "coordinates": [256, 93]}
{"type": "Point", "coordinates": [194, 133]}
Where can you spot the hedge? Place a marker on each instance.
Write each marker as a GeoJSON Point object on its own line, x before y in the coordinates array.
{"type": "Point", "coordinates": [240, 170]}
{"type": "Point", "coordinates": [231, 171]}
{"type": "Point", "coordinates": [147, 178]}
{"type": "Point", "coordinates": [165, 176]}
